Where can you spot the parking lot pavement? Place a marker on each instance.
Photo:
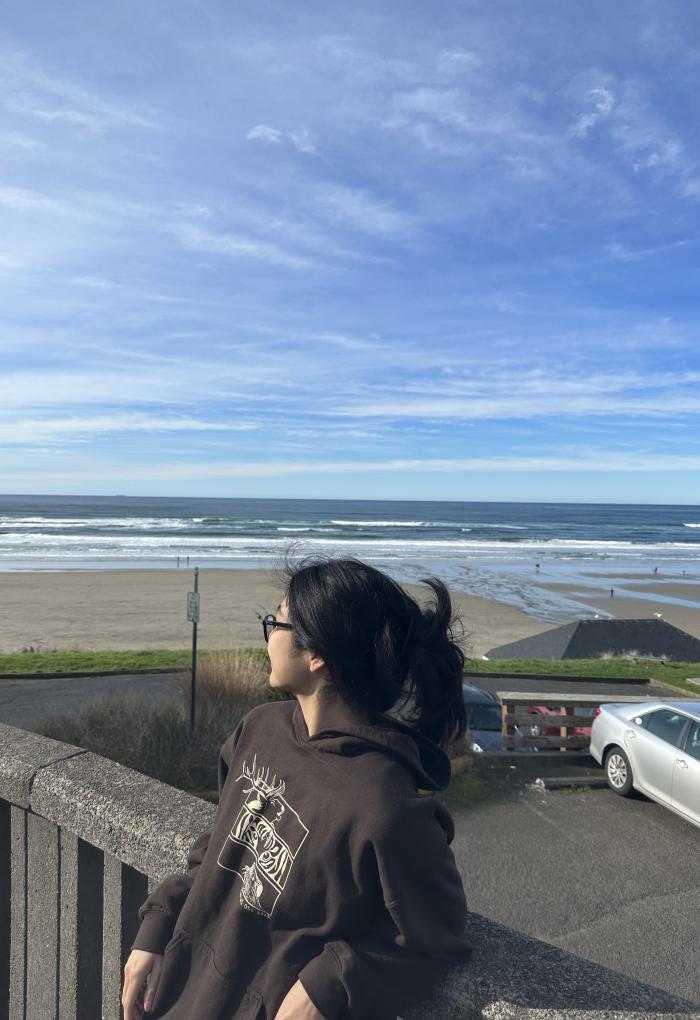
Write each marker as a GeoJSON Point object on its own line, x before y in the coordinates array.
{"type": "Point", "coordinates": [614, 880]}
{"type": "Point", "coordinates": [27, 701]}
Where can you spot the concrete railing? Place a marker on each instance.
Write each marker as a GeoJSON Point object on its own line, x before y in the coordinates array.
{"type": "Point", "coordinates": [82, 842]}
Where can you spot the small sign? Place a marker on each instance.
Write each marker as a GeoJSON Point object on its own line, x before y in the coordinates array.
{"type": "Point", "coordinates": [193, 606]}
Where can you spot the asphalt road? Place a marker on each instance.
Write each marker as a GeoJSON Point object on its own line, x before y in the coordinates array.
{"type": "Point", "coordinates": [614, 880]}
{"type": "Point", "coordinates": [26, 702]}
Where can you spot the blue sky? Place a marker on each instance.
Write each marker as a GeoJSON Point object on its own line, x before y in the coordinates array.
{"type": "Point", "coordinates": [408, 250]}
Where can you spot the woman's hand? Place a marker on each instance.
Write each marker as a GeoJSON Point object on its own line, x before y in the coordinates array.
{"type": "Point", "coordinates": [141, 973]}
{"type": "Point", "coordinates": [296, 1005]}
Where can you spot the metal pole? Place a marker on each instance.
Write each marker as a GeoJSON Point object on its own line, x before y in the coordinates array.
{"type": "Point", "coordinates": [194, 656]}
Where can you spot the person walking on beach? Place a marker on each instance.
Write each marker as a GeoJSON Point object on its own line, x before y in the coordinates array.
{"type": "Point", "coordinates": [326, 888]}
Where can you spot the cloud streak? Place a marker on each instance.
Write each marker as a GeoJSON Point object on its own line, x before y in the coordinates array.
{"type": "Point", "coordinates": [302, 139]}
{"type": "Point", "coordinates": [603, 102]}
{"type": "Point", "coordinates": [29, 89]}
{"type": "Point", "coordinates": [238, 246]}
{"type": "Point", "coordinates": [357, 209]}
{"type": "Point", "coordinates": [39, 430]}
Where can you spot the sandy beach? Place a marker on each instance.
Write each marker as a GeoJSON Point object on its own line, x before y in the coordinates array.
{"type": "Point", "coordinates": [141, 609]}
{"type": "Point", "coordinates": [138, 609]}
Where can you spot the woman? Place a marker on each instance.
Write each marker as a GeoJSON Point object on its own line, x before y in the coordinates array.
{"type": "Point", "coordinates": [326, 888]}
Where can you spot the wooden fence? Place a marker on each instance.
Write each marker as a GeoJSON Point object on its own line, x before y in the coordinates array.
{"type": "Point", "coordinates": [515, 712]}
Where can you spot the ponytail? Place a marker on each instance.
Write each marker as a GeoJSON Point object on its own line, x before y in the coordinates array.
{"type": "Point", "coordinates": [435, 668]}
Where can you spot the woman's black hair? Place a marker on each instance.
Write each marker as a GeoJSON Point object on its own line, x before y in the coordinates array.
{"type": "Point", "coordinates": [381, 648]}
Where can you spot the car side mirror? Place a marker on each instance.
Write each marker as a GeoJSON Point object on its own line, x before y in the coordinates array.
{"type": "Point", "coordinates": [638, 720]}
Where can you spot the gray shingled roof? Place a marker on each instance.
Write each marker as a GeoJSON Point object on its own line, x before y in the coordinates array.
{"type": "Point", "coordinates": [588, 639]}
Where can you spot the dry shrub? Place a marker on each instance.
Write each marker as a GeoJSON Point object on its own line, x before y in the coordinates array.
{"type": "Point", "coordinates": [152, 735]}
{"type": "Point", "coordinates": [148, 735]}
{"type": "Point", "coordinates": [229, 683]}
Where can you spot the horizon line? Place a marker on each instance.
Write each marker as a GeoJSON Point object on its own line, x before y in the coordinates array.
{"type": "Point", "coordinates": [336, 499]}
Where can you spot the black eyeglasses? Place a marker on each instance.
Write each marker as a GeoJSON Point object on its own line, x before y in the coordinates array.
{"type": "Point", "coordinates": [269, 623]}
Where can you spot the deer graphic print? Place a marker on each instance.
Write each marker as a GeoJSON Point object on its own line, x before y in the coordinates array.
{"type": "Point", "coordinates": [264, 840]}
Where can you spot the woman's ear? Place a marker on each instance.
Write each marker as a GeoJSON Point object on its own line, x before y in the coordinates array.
{"type": "Point", "coordinates": [316, 663]}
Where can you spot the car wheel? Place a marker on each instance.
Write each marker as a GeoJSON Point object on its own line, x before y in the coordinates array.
{"type": "Point", "coordinates": [618, 771]}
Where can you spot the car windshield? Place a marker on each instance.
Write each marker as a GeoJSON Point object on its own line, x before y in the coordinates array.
{"type": "Point", "coordinates": [484, 717]}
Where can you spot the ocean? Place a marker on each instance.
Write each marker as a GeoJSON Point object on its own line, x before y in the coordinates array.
{"type": "Point", "coordinates": [499, 550]}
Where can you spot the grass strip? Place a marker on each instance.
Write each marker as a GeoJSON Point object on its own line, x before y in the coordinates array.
{"type": "Point", "coordinates": [107, 661]}
{"type": "Point", "coordinates": [67, 662]}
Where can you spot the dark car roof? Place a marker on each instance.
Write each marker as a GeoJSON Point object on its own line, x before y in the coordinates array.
{"type": "Point", "coordinates": [474, 695]}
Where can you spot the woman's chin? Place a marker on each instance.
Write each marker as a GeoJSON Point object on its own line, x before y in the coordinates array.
{"type": "Point", "coordinates": [277, 684]}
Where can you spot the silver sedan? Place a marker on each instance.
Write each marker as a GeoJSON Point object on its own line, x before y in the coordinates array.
{"type": "Point", "coordinates": [653, 747]}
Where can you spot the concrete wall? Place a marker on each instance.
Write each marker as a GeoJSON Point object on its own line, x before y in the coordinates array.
{"type": "Point", "coordinates": [82, 842]}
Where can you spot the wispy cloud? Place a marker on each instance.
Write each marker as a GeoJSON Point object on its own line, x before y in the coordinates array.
{"type": "Point", "coordinates": [327, 228]}
{"type": "Point", "coordinates": [616, 250]}
{"type": "Point", "coordinates": [458, 61]}
{"type": "Point", "coordinates": [362, 63]}
{"type": "Point", "coordinates": [14, 141]}
{"type": "Point", "coordinates": [39, 430]}
{"type": "Point", "coordinates": [239, 247]}
{"type": "Point", "coordinates": [602, 102]}
{"type": "Point", "coordinates": [301, 138]}
{"type": "Point", "coordinates": [536, 394]}
{"type": "Point", "coordinates": [22, 200]}
{"type": "Point", "coordinates": [357, 209]}
{"type": "Point", "coordinates": [93, 282]}
{"type": "Point", "coordinates": [27, 88]}
{"type": "Point", "coordinates": [265, 133]}
{"type": "Point", "coordinates": [639, 133]}
{"type": "Point", "coordinates": [350, 343]}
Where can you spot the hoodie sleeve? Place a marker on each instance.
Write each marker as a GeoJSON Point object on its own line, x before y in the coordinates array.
{"type": "Point", "coordinates": [419, 932]}
{"type": "Point", "coordinates": [159, 913]}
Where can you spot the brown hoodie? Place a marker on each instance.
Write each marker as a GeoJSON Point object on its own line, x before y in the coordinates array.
{"type": "Point", "coordinates": [324, 864]}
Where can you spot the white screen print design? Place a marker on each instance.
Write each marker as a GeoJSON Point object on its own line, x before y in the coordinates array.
{"type": "Point", "coordinates": [261, 849]}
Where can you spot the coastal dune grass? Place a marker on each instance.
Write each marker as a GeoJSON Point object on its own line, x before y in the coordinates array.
{"type": "Point", "coordinates": [153, 736]}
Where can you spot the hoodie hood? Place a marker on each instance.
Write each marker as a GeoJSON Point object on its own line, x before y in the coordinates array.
{"type": "Point", "coordinates": [425, 760]}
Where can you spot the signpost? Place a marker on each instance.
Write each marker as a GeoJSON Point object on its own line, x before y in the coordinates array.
{"type": "Point", "coordinates": [193, 616]}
